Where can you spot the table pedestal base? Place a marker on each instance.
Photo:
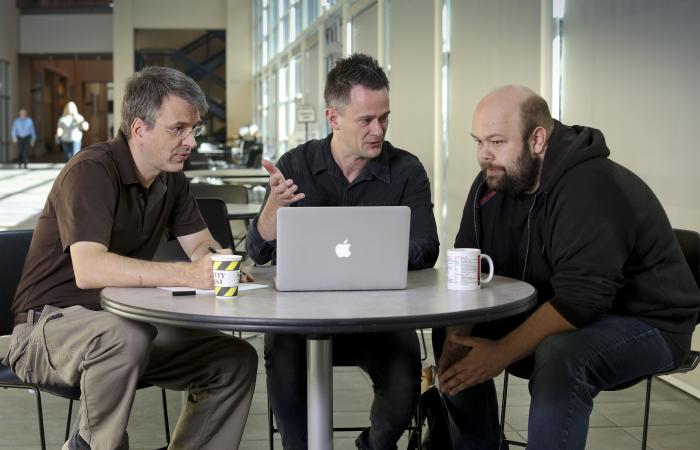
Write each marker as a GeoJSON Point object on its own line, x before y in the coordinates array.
{"type": "Point", "coordinates": [319, 392]}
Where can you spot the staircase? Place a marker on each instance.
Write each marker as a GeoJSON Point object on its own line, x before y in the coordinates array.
{"type": "Point", "coordinates": [204, 60]}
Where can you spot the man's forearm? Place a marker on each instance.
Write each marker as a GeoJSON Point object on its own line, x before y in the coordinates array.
{"type": "Point", "coordinates": [109, 269]}
{"type": "Point", "coordinates": [267, 223]}
{"type": "Point", "coordinates": [545, 322]}
{"type": "Point", "coordinates": [203, 249]}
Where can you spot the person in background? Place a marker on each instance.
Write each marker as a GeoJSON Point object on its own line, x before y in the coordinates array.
{"type": "Point", "coordinates": [104, 218]}
{"type": "Point", "coordinates": [616, 298]}
{"type": "Point", "coordinates": [69, 132]}
{"type": "Point", "coordinates": [352, 166]}
{"type": "Point", "coordinates": [24, 135]}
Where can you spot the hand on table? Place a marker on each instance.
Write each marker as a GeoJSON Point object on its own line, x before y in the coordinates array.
{"type": "Point", "coordinates": [201, 275]}
{"type": "Point", "coordinates": [246, 277]}
{"type": "Point", "coordinates": [469, 361]}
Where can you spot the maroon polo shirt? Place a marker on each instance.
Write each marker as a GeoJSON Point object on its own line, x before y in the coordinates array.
{"type": "Point", "coordinates": [97, 197]}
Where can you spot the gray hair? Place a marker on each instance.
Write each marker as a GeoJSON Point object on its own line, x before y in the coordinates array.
{"type": "Point", "coordinates": [146, 90]}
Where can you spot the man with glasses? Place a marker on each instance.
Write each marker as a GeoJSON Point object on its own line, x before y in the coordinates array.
{"type": "Point", "coordinates": [103, 220]}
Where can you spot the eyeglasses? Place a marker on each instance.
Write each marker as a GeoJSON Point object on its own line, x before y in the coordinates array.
{"type": "Point", "coordinates": [185, 132]}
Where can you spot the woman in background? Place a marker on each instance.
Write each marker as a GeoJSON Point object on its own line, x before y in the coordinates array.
{"type": "Point", "coordinates": [69, 132]}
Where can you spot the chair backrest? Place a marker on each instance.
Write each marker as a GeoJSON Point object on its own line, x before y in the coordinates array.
{"type": "Point", "coordinates": [690, 245]}
{"type": "Point", "coordinates": [229, 193]}
{"type": "Point", "coordinates": [215, 215]}
{"type": "Point", "coordinates": [14, 245]}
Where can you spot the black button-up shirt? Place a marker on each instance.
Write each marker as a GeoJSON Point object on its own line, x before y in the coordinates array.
{"type": "Point", "coordinates": [394, 178]}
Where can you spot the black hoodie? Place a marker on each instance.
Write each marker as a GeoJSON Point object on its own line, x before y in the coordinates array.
{"type": "Point", "coordinates": [593, 239]}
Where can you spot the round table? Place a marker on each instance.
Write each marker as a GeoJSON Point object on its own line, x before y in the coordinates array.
{"type": "Point", "coordinates": [426, 302]}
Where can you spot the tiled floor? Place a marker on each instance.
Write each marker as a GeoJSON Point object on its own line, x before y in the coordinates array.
{"type": "Point", "coordinates": [615, 422]}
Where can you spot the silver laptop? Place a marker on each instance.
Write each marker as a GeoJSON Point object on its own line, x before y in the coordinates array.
{"type": "Point", "coordinates": [342, 248]}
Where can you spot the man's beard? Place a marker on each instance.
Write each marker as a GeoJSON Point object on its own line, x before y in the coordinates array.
{"type": "Point", "coordinates": [519, 181]}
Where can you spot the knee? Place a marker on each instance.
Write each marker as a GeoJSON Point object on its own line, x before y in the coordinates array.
{"type": "Point", "coordinates": [233, 355]}
{"type": "Point", "coordinates": [247, 358]}
{"type": "Point", "coordinates": [555, 359]}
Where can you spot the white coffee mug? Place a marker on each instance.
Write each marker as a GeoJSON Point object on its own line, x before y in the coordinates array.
{"type": "Point", "coordinates": [464, 269]}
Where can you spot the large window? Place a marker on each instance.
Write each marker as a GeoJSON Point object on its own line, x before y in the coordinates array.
{"type": "Point", "coordinates": [284, 31]}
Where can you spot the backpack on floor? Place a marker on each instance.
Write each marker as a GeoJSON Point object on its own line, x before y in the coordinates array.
{"type": "Point", "coordinates": [435, 427]}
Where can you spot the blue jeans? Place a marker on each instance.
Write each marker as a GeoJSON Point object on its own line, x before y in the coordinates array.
{"type": "Point", "coordinates": [392, 361]}
{"type": "Point", "coordinates": [70, 148]}
{"type": "Point", "coordinates": [570, 369]}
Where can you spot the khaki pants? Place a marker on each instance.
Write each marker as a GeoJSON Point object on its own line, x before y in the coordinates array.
{"type": "Point", "coordinates": [107, 355]}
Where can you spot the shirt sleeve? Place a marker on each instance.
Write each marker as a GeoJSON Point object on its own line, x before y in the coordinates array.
{"type": "Point", "coordinates": [185, 218]}
{"type": "Point", "coordinates": [259, 250]}
{"type": "Point", "coordinates": [85, 204]}
{"type": "Point", "coordinates": [32, 130]}
{"type": "Point", "coordinates": [15, 129]}
{"type": "Point", "coordinates": [591, 234]}
{"type": "Point", "coordinates": [424, 245]}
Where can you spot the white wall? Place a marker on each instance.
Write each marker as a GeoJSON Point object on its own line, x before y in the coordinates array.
{"type": "Point", "coordinates": [239, 65]}
{"type": "Point", "coordinates": [493, 43]}
{"type": "Point", "coordinates": [175, 14]}
{"type": "Point", "coordinates": [631, 69]}
{"type": "Point", "coordinates": [65, 33]}
{"type": "Point", "coordinates": [412, 80]}
{"type": "Point", "coordinates": [364, 31]}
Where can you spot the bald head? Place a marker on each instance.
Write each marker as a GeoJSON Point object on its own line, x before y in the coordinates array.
{"type": "Point", "coordinates": [515, 106]}
{"type": "Point", "coordinates": [511, 127]}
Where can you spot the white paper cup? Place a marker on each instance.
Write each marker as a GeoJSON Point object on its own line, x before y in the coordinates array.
{"type": "Point", "coordinates": [227, 273]}
{"type": "Point", "coordinates": [464, 269]}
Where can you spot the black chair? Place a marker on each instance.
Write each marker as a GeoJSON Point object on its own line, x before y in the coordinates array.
{"type": "Point", "coordinates": [15, 245]}
{"type": "Point", "coordinates": [229, 193]}
{"type": "Point", "coordinates": [214, 213]}
{"type": "Point", "coordinates": [414, 427]}
{"type": "Point", "coordinates": [690, 245]}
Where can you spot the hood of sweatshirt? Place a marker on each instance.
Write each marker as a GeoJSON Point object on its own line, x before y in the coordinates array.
{"type": "Point", "coordinates": [567, 147]}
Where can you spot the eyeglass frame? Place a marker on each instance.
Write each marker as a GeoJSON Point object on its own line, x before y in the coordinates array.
{"type": "Point", "coordinates": [185, 132]}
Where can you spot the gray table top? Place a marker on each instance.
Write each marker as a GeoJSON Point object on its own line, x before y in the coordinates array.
{"type": "Point", "coordinates": [426, 302]}
{"type": "Point", "coordinates": [227, 173]}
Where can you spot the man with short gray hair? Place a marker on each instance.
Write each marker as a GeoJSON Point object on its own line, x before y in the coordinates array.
{"type": "Point", "coordinates": [103, 220]}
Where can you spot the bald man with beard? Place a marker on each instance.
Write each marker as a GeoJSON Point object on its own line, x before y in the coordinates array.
{"type": "Point", "coordinates": [616, 299]}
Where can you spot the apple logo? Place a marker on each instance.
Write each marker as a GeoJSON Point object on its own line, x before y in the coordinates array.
{"type": "Point", "coordinates": [342, 250]}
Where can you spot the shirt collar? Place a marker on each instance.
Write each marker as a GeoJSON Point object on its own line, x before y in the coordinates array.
{"type": "Point", "coordinates": [127, 166]}
{"type": "Point", "coordinates": [377, 167]}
